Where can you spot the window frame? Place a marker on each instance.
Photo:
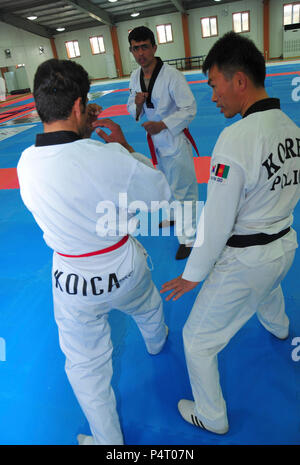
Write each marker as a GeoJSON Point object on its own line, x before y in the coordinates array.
{"type": "Point", "coordinates": [241, 12]}
{"type": "Point", "coordinates": [72, 41]}
{"type": "Point", "coordinates": [157, 34]}
{"type": "Point", "coordinates": [97, 37]}
{"type": "Point", "coordinates": [292, 4]}
{"type": "Point", "coordinates": [211, 35]}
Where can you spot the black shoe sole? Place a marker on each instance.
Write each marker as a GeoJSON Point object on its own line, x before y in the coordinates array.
{"type": "Point", "coordinates": [183, 252]}
{"type": "Point", "coordinates": [172, 223]}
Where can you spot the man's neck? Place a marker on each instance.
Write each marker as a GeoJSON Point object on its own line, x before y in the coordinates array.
{"type": "Point", "coordinates": [148, 70]}
{"type": "Point", "coordinates": [62, 125]}
{"type": "Point", "coordinates": [252, 98]}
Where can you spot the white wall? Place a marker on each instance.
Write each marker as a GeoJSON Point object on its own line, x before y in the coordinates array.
{"type": "Point", "coordinates": [174, 49]}
{"type": "Point", "coordinates": [94, 64]}
{"type": "Point", "coordinates": [24, 48]}
{"type": "Point", "coordinates": [276, 27]}
{"type": "Point", "coordinates": [201, 46]}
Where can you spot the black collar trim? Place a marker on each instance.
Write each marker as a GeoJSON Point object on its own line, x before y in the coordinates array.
{"type": "Point", "coordinates": [263, 105]}
{"type": "Point", "coordinates": [158, 66]}
{"type": "Point", "coordinates": [55, 138]}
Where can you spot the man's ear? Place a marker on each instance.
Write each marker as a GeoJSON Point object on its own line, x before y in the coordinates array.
{"type": "Point", "coordinates": [241, 80]}
{"type": "Point", "coordinates": [77, 106]}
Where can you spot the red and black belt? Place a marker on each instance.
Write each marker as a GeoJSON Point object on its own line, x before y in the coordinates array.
{"type": "Point", "coordinates": [152, 148]}
{"type": "Point", "coordinates": [99, 252]}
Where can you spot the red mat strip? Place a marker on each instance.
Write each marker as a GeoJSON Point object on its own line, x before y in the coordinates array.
{"type": "Point", "coordinates": [115, 110]}
{"type": "Point", "coordinates": [9, 178]}
{"type": "Point", "coordinates": [17, 112]}
{"type": "Point", "coordinates": [12, 100]}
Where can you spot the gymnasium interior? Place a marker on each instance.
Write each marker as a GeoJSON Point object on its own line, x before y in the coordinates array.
{"type": "Point", "coordinates": [260, 375]}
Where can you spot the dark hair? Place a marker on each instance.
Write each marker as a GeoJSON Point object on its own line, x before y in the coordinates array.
{"type": "Point", "coordinates": [57, 84]}
{"type": "Point", "coordinates": [232, 53]}
{"type": "Point", "coordinates": [140, 34]}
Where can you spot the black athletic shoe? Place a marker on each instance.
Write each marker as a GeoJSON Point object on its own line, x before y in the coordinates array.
{"type": "Point", "coordinates": [183, 252]}
{"type": "Point", "coordinates": [166, 224]}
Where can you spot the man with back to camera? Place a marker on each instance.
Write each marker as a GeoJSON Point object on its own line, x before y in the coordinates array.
{"type": "Point", "coordinates": [249, 244]}
{"type": "Point", "coordinates": [163, 95]}
{"type": "Point", "coordinates": [63, 178]}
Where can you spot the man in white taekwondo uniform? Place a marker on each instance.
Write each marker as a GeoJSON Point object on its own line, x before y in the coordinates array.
{"type": "Point", "coordinates": [64, 178]}
{"type": "Point", "coordinates": [248, 244]}
{"type": "Point", "coordinates": [163, 95]}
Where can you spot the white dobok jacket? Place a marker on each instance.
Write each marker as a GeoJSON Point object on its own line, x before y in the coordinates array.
{"type": "Point", "coordinates": [254, 187]}
{"type": "Point", "coordinates": [173, 103]}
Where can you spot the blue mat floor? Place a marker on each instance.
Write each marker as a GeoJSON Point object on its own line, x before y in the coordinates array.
{"type": "Point", "coordinates": [260, 379]}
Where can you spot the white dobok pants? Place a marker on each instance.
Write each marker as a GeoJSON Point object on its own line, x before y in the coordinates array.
{"type": "Point", "coordinates": [179, 170]}
{"type": "Point", "coordinates": [240, 285]}
{"type": "Point", "coordinates": [84, 331]}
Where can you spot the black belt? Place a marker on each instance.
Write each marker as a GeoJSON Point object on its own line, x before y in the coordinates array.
{"type": "Point", "coordinates": [255, 239]}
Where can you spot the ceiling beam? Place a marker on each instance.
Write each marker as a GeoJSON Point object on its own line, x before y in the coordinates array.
{"type": "Point", "coordinates": [179, 5]}
{"type": "Point", "coordinates": [25, 24]}
{"type": "Point", "coordinates": [77, 27]}
{"type": "Point", "coordinates": [92, 10]}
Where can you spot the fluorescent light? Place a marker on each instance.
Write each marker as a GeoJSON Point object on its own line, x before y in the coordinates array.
{"type": "Point", "coordinates": [134, 14]}
{"type": "Point", "coordinates": [112, 1]}
{"type": "Point", "coordinates": [32, 18]}
{"type": "Point", "coordinates": [60, 29]}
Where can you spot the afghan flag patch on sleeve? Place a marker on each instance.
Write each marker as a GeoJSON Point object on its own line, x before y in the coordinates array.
{"type": "Point", "coordinates": [219, 172]}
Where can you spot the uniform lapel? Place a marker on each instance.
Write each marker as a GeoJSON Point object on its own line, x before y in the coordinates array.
{"type": "Point", "coordinates": [155, 73]}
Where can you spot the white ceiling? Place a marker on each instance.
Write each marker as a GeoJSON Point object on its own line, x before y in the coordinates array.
{"type": "Point", "coordinates": [81, 14]}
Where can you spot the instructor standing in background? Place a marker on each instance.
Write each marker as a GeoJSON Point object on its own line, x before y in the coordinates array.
{"type": "Point", "coordinates": [163, 95]}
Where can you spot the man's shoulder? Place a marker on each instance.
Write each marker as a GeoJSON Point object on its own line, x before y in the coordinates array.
{"type": "Point", "coordinates": [135, 73]}
{"type": "Point", "coordinates": [24, 155]}
{"type": "Point", "coordinates": [234, 139]}
{"type": "Point", "coordinates": [171, 70]}
{"type": "Point", "coordinates": [238, 129]}
{"type": "Point", "coordinates": [28, 149]}
{"type": "Point", "coordinates": [94, 145]}
{"type": "Point", "coordinates": [173, 76]}
{"type": "Point", "coordinates": [112, 159]}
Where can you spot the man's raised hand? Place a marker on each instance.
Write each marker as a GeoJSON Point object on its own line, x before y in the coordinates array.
{"type": "Point", "coordinates": [116, 134]}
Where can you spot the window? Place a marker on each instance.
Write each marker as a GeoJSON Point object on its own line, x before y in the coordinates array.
{"type": "Point", "coordinates": [241, 21]}
{"type": "Point", "coordinates": [72, 49]}
{"type": "Point", "coordinates": [164, 33]}
{"type": "Point", "coordinates": [97, 45]}
{"type": "Point", "coordinates": [291, 13]}
{"type": "Point", "coordinates": [209, 26]}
